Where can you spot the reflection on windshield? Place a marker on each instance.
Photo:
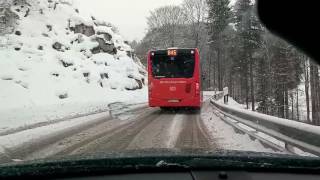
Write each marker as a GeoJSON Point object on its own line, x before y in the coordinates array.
{"type": "Point", "coordinates": [73, 83]}
{"type": "Point", "coordinates": [180, 66]}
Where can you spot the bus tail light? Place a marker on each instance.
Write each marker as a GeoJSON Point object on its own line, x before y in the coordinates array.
{"type": "Point", "coordinates": [197, 88]}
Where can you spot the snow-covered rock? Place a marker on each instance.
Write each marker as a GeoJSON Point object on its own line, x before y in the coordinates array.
{"type": "Point", "coordinates": [53, 56]}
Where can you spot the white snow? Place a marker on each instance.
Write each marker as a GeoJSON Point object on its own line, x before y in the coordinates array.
{"type": "Point", "coordinates": [13, 141]}
{"type": "Point", "coordinates": [226, 138]}
{"type": "Point", "coordinates": [175, 129]}
{"type": "Point", "coordinates": [271, 139]}
{"type": "Point", "coordinates": [273, 119]}
{"type": "Point", "coordinates": [35, 85]}
{"type": "Point", "coordinates": [209, 94]}
{"type": "Point", "coordinates": [233, 105]}
{"type": "Point", "coordinates": [302, 103]}
{"type": "Point", "coordinates": [246, 127]}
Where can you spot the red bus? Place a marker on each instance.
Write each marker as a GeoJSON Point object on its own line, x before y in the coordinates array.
{"type": "Point", "coordinates": [174, 78]}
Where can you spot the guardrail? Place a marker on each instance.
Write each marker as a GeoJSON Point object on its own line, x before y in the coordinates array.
{"type": "Point", "coordinates": [292, 133]}
{"type": "Point", "coordinates": [218, 95]}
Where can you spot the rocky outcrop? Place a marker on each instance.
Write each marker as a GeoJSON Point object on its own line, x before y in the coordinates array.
{"type": "Point", "coordinates": [7, 19]}
{"type": "Point", "coordinates": [57, 46]}
{"type": "Point", "coordinates": [83, 29]}
{"type": "Point", "coordinates": [138, 85]}
{"type": "Point", "coordinates": [106, 36]}
{"type": "Point", "coordinates": [104, 47]}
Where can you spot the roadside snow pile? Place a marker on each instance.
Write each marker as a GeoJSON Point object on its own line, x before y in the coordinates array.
{"type": "Point", "coordinates": [232, 103]}
{"type": "Point", "coordinates": [208, 94]}
{"type": "Point", "coordinates": [226, 137]}
{"type": "Point", "coordinates": [271, 119]}
{"type": "Point", "coordinates": [56, 61]}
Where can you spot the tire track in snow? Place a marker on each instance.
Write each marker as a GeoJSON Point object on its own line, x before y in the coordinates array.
{"type": "Point", "coordinates": [192, 135]}
{"type": "Point", "coordinates": [160, 133]}
{"type": "Point", "coordinates": [117, 138]}
{"type": "Point", "coordinates": [175, 130]}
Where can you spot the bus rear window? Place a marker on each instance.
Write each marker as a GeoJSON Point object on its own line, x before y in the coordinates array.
{"type": "Point", "coordinates": [180, 66]}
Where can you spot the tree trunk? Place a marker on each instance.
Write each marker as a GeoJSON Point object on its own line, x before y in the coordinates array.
{"type": "Point", "coordinates": [197, 39]}
{"type": "Point", "coordinates": [292, 107]}
{"type": "Point", "coordinates": [209, 69]}
{"type": "Point", "coordinates": [306, 86]}
{"type": "Point", "coordinates": [280, 100]}
{"type": "Point", "coordinates": [286, 103]}
{"type": "Point", "coordinates": [172, 36]}
{"type": "Point", "coordinates": [247, 91]}
{"type": "Point", "coordinates": [219, 70]}
{"type": "Point", "coordinates": [231, 84]}
{"type": "Point", "coordinates": [314, 77]}
{"type": "Point", "coordinates": [298, 114]}
{"type": "Point", "coordinates": [252, 85]}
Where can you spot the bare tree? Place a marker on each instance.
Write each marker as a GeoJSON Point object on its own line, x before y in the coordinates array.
{"type": "Point", "coordinates": [196, 12]}
{"type": "Point", "coordinates": [307, 84]}
{"type": "Point", "coordinates": [315, 94]}
{"type": "Point", "coordinates": [167, 20]}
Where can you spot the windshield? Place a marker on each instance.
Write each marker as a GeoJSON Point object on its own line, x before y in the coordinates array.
{"type": "Point", "coordinates": [83, 77]}
{"type": "Point", "coordinates": [181, 66]}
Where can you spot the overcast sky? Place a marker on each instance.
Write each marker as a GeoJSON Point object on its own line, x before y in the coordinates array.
{"type": "Point", "coordinates": [128, 15]}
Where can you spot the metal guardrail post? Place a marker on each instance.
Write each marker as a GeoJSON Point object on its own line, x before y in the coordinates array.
{"type": "Point", "coordinates": [289, 147]}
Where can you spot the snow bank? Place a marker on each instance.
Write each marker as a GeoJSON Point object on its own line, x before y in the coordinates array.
{"type": "Point", "coordinates": [13, 141]}
{"type": "Point", "coordinates": [272, 119]}
{"type": "Point", "coordinates": [279, 125]}
{"type": "Point", "coordinates": [225, 137]}
{"type": "Point", "coordinates": [232, 103]}
{"type": "Point", "coordinates": [59, 62]}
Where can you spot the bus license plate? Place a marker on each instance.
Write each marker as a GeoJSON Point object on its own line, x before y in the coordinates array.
{"type": "Point", "coordinates": [173, 100]}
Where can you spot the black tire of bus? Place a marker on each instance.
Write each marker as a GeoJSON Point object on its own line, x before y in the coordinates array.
{"type": "Point", "coordinates": [164, 108]}
{"type": "Point", "coordinates": [197, 110]}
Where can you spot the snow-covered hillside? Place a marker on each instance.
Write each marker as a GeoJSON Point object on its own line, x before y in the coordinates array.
{"type": "Point", "coordinates": [54, 62]}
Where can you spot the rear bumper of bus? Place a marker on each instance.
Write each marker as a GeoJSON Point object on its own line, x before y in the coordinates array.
{"type": "Point", "coordinates": [190, 102]}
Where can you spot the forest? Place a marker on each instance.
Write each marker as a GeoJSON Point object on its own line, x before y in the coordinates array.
{"type": "Point", "coordinates": [262, 71]}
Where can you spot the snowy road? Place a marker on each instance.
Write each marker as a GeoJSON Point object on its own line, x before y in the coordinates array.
{"type": "Point", "coordinates": [129, 127]}
{"type": "Point", "coordinates": [142, 128]}
{"type": "Point", "coordinates": [126, 127]}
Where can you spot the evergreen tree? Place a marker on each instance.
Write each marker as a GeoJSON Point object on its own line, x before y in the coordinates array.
{"type": "Point", "coordinates": [249, 30]}
{"type": "Point", "coordinates": [219, 15]}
